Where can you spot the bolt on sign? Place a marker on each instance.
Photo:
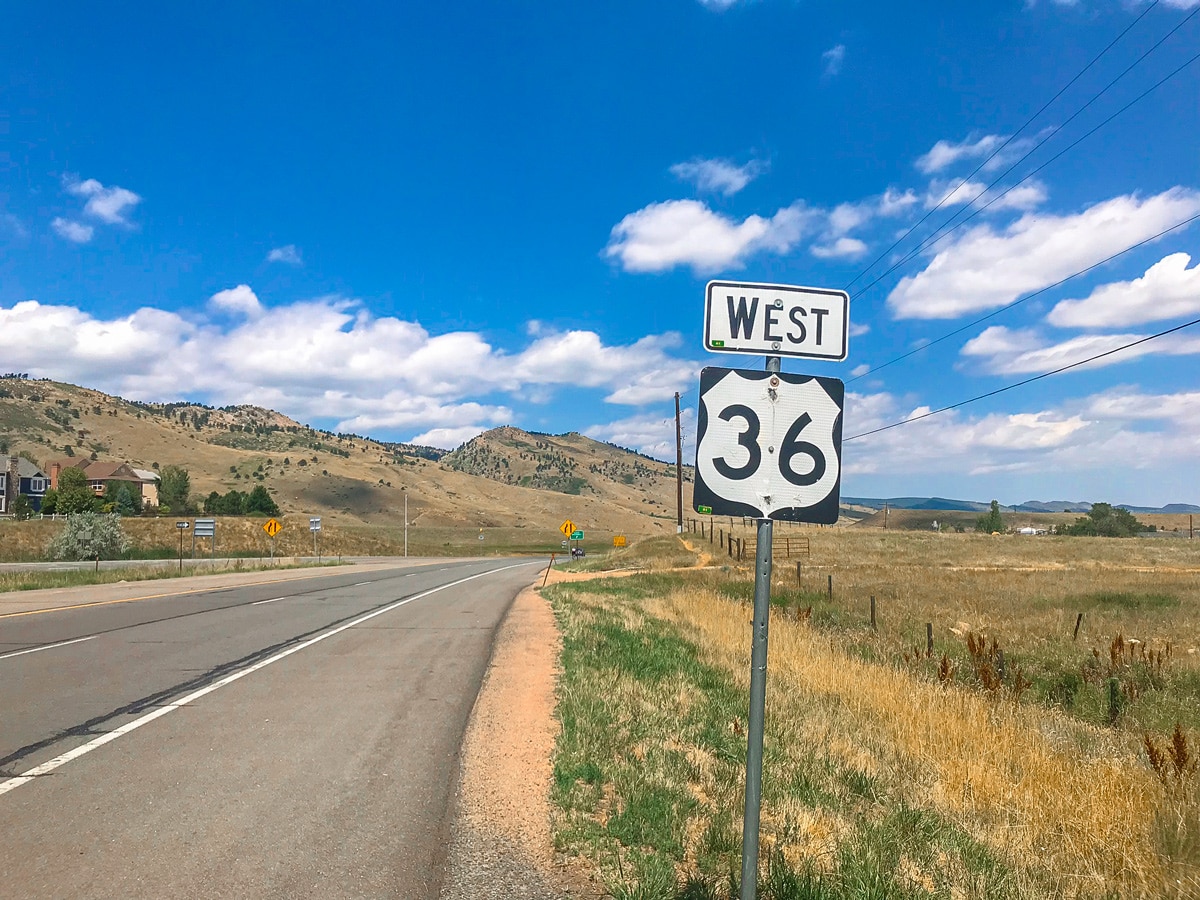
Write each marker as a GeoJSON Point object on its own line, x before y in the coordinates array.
{"type": "Point", "coordinates": [776, 320]}
{"type": "Point", "coordinates": [272, 527]}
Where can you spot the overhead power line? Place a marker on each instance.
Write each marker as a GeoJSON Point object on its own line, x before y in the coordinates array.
{"type": "Point", "coordinates": [1095, 59]}
{"type": "Point", "coordinates": [1027, 297]}
{"type": "Point", "coordinates": [938, 236]}
{"type": "Point", "coordinates": [1024, 382]}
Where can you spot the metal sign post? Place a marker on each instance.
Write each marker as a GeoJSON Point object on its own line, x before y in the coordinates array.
{"type": "Point", "coordinates": [768, 446]}
{"type": "Point", "coordinates": [314, 525]}
{"type": "Point", "coordinates": [272, 528]}
{"type": "Point", "coordinates": [182, 526]}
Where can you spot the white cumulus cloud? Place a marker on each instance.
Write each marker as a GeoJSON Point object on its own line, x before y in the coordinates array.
{"type": "Point", "coordinates": [1002, 351]}
{"type": "Point", "coordinates": [944, 154]}
{"type": "Point", "coordinates": [650, 434]}
{"type": "Point", "coordinates": [72, 231]}
{"type": "Point", "coordinates": [330, 360]}
{"type": "Point", "coordinates": [108, 204]}
{"type": "Point", "coordinates": [842, 248]}
{"type": "Point", "coordinates": [289, 254]}
{"type": "Point", "coordinates": [240, 299]}
{"type": "Point", "coordinates": [717, 176]}
{"type": "Point", "coordinates": [832, 60]}
{"type": "Point", "coordinates": [948, 193]}
{"type": "Point", "coordinates": [1167, 290]}
{"type": "Point", "coordinates": [664, 235]}
{"type": "Point", "coordinates": [986, 268]}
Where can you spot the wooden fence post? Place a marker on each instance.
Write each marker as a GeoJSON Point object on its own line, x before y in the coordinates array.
{"type": "Point", "coordinates": [929, 639]}
{"type": "Point", "coordinates": [1078, 622]}
{"type": "Point", "coordinates": [873, 612]}
{"type": "Point", "coordinates": [830, 588]}
{"type": "Point", "coordinates": [799, 566]}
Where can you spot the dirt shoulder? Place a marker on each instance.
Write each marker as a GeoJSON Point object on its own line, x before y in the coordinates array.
{"type": "Point", "coordinates": [502, 845]}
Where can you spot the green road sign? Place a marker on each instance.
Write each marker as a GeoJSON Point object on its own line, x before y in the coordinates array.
{"type": "Point", "coordinates": [577, 535]}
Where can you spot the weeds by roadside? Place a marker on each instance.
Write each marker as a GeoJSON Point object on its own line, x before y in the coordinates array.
{"type": "Point", "coordinates": [971, 771]}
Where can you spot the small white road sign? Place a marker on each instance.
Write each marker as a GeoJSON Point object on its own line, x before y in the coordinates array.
{"type": "Point", "coordinates": [314, 523]}
{"type": "Point", "coordinates": [776, 320]}
{"type": "Point", "coordinates": [769, 444]}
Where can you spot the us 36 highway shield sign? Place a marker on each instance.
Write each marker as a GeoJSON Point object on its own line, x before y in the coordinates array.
{"type": "Point", "coordinates": [769, 445]}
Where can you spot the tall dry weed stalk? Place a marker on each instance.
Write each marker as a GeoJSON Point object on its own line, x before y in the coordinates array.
{"type": "Point", "coordinates": [1173, 762]}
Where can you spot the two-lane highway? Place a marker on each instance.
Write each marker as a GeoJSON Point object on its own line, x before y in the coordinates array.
{"type": "Point", "coordinates": [295, 739]}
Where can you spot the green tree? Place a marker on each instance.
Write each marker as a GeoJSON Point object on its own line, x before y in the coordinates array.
{"type": "Point", "coordinates": [174, 488]}
{"type": "Point", "coordinates": [991, 521]}
{"type": "Point", "coordinates": [125, 501]}
{"type": "Point", "coordinates": [89, 535]}
{"type": "Point", "coordinates": [231, 504]}
{"type": "Point", "coordinates": [22, 509]}
{"type": "Point", "coordinates": [75, 495]}
{"type": "Point", "coordinates": [1106, 520]}
{"type": "Point", "coordinates": [50, 502]}
{"type": "Point", "coordinates": [260, 502]}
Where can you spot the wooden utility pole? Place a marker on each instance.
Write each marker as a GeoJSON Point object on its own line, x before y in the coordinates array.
{"type": "Point", "coordinates": [679, 466]}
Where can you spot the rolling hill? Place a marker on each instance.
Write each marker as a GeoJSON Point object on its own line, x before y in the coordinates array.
{"type": "Point", "coordinates": [505, 477]}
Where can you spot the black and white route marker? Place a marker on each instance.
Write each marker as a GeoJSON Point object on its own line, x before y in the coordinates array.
{"type": "Point", "coordinates": [769, 445]}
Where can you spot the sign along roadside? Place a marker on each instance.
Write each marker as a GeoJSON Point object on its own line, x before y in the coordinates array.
{"type": "Point", "coordinates": [776, 320]}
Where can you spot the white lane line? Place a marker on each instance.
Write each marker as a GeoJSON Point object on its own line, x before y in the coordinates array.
{"type": "Point", "coordinates": [272, 600]}
{"type": "Point", "coordinates": [64, 758]}
{"type": "Point", "coordinates": [360, 583]}
{"type": "Point", "coordinates": [47, 647]}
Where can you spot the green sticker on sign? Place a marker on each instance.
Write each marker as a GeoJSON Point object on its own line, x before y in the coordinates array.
{"type": "Point", "coordinates": [704, 510]}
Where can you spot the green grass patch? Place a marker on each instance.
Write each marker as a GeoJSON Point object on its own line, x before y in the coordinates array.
{"type": "Point", "coordinates": [649, 768]}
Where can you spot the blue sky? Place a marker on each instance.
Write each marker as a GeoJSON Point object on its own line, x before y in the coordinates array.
{"type": "Point", "coordinates": [418, 221]}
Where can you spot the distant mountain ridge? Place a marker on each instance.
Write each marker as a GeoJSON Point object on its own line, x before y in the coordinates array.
{"type": "Point", "coordinates": [1029, 506]}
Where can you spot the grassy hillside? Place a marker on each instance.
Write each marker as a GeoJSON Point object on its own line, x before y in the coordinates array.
{"type": "Point", "coordinates": [348, 479]}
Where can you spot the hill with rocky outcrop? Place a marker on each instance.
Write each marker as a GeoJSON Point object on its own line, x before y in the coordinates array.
{"type": "Point", "coordinates": [504, 477]}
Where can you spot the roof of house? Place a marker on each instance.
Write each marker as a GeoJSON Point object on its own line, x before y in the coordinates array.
{"type": "Point", "coordinates": [146, 474]}
{"type": "Point", "coordinates": [103, 470]}
{"type": "Point", "coordinates": [25, 469]}
{"type": "Point", "coordinates": [69, 462]}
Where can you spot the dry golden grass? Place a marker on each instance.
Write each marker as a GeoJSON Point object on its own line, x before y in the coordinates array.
{"type": "Point", "coordinates": [1015, 777]}
{"type": "Point", "coordinates": [1025, 591]}
{"type": "Point", "coordinates": [1070, 808]}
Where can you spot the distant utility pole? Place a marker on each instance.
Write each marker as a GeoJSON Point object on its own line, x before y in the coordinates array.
{"type": "Point", "coordinates": [678, 468]}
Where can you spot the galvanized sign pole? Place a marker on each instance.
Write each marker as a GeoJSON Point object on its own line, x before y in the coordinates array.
{"type": "Point", "coordinates": [768, 446]}
{"type": "Point", "coordinates": [758, 697]}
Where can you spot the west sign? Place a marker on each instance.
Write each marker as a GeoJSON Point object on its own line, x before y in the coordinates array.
{"type": "Point", "coordinates": [776, 320]}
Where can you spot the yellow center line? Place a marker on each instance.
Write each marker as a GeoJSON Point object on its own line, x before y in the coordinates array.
{"type": "Point", "coordinates": [206, 590]}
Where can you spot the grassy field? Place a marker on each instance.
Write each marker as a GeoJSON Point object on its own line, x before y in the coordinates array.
{"type": "Point", "coordinates": [1015, 760]}
{"type": "Point", "coordinates": [157, 538]}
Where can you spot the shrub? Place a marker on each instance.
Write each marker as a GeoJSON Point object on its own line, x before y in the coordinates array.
{"type": "Point", "coordinates": [89, 535]}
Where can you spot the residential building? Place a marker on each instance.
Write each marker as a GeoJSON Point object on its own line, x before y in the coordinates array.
{"type": "Point", "coordinates": [20, 476]}
{"type": "Point", "coordinates": [100, 472]}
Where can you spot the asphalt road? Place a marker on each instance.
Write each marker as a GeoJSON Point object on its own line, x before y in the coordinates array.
{"type": "Point", "coordinates": [294, 739]}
